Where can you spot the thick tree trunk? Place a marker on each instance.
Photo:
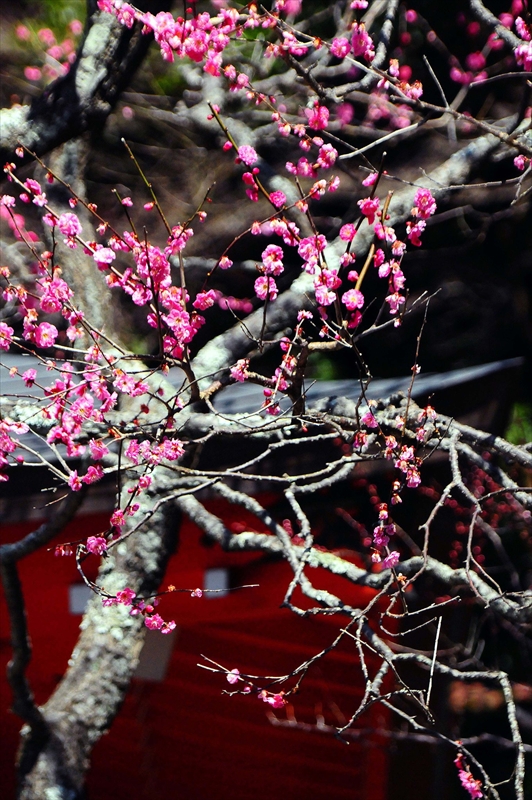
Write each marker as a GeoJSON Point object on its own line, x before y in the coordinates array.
{"type": "Point", "coordinates": [54, 756]}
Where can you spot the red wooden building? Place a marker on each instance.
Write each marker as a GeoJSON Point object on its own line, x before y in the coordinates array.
{"type": "Point", "coordinates": [177, 734]}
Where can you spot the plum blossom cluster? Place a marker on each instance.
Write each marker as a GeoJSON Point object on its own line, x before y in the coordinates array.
{"type": "Point", "coordinates": [34, 193]}
{"type": "Point", "coordinates": [389, 263]}
{"type": "Point", "coordinates": [289, 44]}
{"type": "Point", "coordinates": [151, 281]}
{"type": "Point", "coordinates": [476, 61]}
{"type": "Point", "coordinates": [78, 397]}
{"type": "Point", "coordinates": [75, 399]}
{"type": "Point", "coordinates": [240, 371]}
{"type": "Point", "coordinates": [8, 444]}
{"type": "Point", "coordinates": [270, 268]}
{"type": "Point", "coordinates": [408, 463]}
{"type": "Point", "coordinates": [328, 279]}
{"type": "Point", "coordinates": [523, 52]}
{"type": "Point", "coordinates": [381, 538]}
{"type": "Point", "coordinates": [6, 336]}
{"type": "Point", "coordinates": [326, 156]}
{"type": "Point", "coordinates": [72, 403]}
{"type": "Point", "coordinates": [97, 545]}
{"type": "Point", "coordinates": [201, 38]}
{"type": "Point", "coordinates": [93, 474]}
{"type": "Point", "coordinates": [357, 42]}
{"type": "Point", "coordinates": [204, 38]}
{"type": "Point", "coordinates": [472, 786]}
{"type": "Point", "coordinates": [153, 453]}
{"type": "Point", "coordinates": [152, 620]}
{"type": "Point", "coordinates": [58, 55]}
{"type": "Point", "coordinates": [426, 417]}
{"type": "Point", "coordinates": [274, 699]}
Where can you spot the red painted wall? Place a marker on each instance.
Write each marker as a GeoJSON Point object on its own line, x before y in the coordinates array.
{"type": "Point", "coordinates": [183, 737]}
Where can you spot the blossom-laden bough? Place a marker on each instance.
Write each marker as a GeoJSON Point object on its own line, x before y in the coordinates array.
{"type": "Point", "coordinates": [103, 413]}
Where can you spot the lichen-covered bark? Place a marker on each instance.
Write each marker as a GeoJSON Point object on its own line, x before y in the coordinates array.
{"type": "Point", "coordinates": [54, 758]}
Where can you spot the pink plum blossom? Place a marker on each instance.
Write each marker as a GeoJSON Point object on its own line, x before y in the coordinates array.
{"type": "Point", "coordinates": [318, 117]}
{"type": "Point", "coordinates": [265, 286]}
{"type": "Point", "coordinates": [125, 597]}
{"type": "Point", "coordinates": [98, 449]}
{"type": "Point", "coordinates": [117, 518]}
{"type": "Point", "coordinates": [412, 90]}
{"type": "Point", "coordinates": [240, 370]}
{"type": "Point", "coordinates": [93, 474]}
{"type": "Point", "coordinates": [340, 47]}
{"type": "Point", "coordinates": [472, 786]}
{"type": "Point", "coordinates": [369, 206]}
{"type": "Point", "coordinates": [395, 301]}
{"type": "Point", "coordinates": [29, 377]}
{"type": "Point", "coordinates": [369, 420]}
{"type": "Point", "coordinates": [6, 334]}
{"type": "Point", "coordinates": [39, 197]}
{"type": "Point", "coordinates": [353, 299]}
{"type": "Point", "coordinates": [475, 61]}
{"type": "Point", "coordinates": [523, 55]}
{"type": "Point", "coordinates": [278, 199]}
{"type": "Point", "coordinates": [520, 162]}
{"type": "Point", "coordinates": [391, 560]}
{"type": "Point", "coordinates": [154, 622]}
{"type": "Point", "coordinates": [523, 29]}
{"type": "Point", "coordinates": [327, 156]}
{"type": "Point", "coordinates": [413, 478]}
{"type": "Point", "coordinates": [248, 155]}
{"type": "Point", "coordinates": [347, 232]}
{"type": "Point", "coordinates": [252, 190]}
{"type": "Point", "coordinates": [23, 33]}
{"type": "Point", "coordinates": [277, 701]}
{"type": "Point", "coordinates": [371, 179]}
{"type": "Point", "coordinates": [96, 545]}
{"type": "Point", "coordinates": [272, 260]}
{"type": "Point", "coordinates": [74, 481]}
{"type": "Point", "coordinates": [361, 42]}
{"type": "Point", "coordinates": [168, 627]}
{"type": "Point", "coordinates": [204, 300]}
{"type": "Point", "coordinates": [32, 73]}
{"type": "Point", "coordinates": [104, 256]}
{"type": "Point", "coordinates": [424, 204]}
{"type": "Point", "coordinates": [414, 231]}
{"type": "Point", "coordinates": [69, 224]}
{"type": "Point", "coordinates": [233, 676]}
{"type": "Point", "coordinates": [324, 296]}
{"type": "Point", "coordinates": [46, 334]}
